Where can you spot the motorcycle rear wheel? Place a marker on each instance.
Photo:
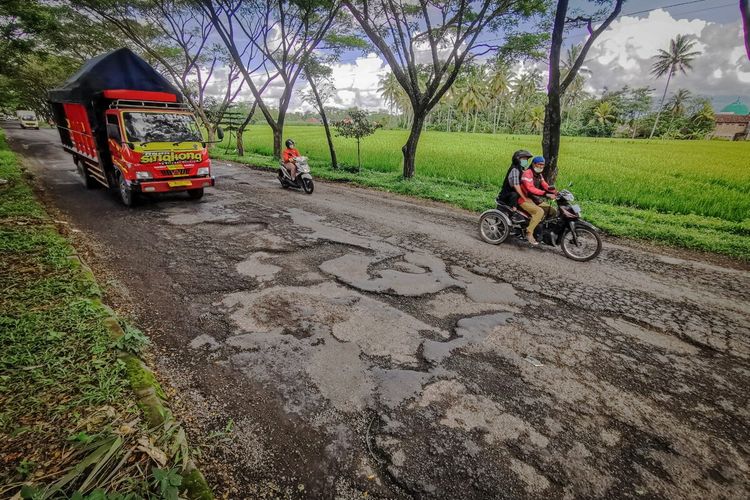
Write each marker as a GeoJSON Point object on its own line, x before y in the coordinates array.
{"type": "Point", "coordinates": [493, 228]}
{"type": "Point", "coordinates": [282, 181]}
{"type": "Point", "coordinates": [588, 245]}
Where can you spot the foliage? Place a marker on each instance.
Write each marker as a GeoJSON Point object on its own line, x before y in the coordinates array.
{"type": "Point", "coordinates": [448, 34]}
{"type": "Point", "coordinates": [69, 426]}
{"type": "Point", "coordinates": [685, 193]}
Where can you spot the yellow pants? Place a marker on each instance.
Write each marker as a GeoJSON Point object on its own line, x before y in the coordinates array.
{"type": "Point", "coordinates": [537, 213]}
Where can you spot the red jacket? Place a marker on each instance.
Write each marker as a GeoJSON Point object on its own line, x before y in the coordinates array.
{"type": "Point", "coordinates": [288, 154]}
{"type": "Point", "coordinates": [530, 185]}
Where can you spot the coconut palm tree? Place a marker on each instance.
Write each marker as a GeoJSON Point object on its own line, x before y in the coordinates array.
{"type": "Point", "coordinates": [604, 113]}
{"type": "Point", "coordinates": [678, 102]}
{"type": "Point", "coordinates": [536, 119]}
{"type": "Point", "coordinates": [391, 91]}
{"type": "Point", "coordinates": [474, 95]}
{"type": "Point", "coordinates": [499, 84]}
{"type": "Point", "coordinates": [669, 62]}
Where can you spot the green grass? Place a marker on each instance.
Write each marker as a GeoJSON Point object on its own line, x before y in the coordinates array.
{"type": "Point", "coordinates": [692, 194]}
{"type": "Point", "coordinates": [66, 410]}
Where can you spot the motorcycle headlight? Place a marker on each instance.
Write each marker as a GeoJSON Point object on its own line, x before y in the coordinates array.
{"type": "Point", "coordinates": [204, 170]}
{"type": "Point", "coordinates": [142, 174]}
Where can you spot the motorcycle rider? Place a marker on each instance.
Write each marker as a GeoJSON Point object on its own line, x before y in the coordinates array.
{"type": "Point", "coordinates": [536, 189]}
{"type": "Point", "coordinates": [288, 156]}
{"type": "Point", "coordinates": [512, 191]}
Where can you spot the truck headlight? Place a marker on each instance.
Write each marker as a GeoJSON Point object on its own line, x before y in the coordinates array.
{"type": "Point", "coordinates": [203, 170]}
{"type": "Point", "coordinates": [142, 174]}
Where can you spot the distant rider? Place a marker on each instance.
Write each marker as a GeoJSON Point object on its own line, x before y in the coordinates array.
{"type": "Point", "coordinates": [536, 189]}
{"type": "Point", "coordinates": [288, 156]}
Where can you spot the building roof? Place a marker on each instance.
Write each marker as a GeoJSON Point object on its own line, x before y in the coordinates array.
{"type": "Point", "coordinates": [731, 118]}
{"type": "Point", "coordinates": [737, 107]}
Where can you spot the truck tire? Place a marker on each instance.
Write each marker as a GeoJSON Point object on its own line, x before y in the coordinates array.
{"type": "Point", "coordinates": [195, 194]}
{"type": "Point", "coordinates": [88, 181]}
{"type": "Point", "coordinates": [127, 196]}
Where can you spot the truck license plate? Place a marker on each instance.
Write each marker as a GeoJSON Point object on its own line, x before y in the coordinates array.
{"type": "Point", "coordinates": [179, 183]}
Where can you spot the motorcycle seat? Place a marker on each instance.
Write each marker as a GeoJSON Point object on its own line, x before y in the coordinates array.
{"type": "Point", "coordinates": [518, 210]}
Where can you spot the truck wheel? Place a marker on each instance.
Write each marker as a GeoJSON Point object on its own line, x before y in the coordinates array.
{"type": "Point", "coordinates": [195, 194]}
{"type": "Point", "coordinates": [88, 181]}
{"type": "Point", "coordinates": [127, 196]}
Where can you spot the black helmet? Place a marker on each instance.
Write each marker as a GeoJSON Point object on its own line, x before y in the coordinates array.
{"type": "Point", "coordinates": [521, 153]}
{"type": "Point", "coordinates": [289, 143]}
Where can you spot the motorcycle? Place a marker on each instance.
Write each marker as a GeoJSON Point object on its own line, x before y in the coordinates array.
{"type": "Point", "coordinates": [304, 179]}
{"type": "Point", "coordinates": [578, 239]}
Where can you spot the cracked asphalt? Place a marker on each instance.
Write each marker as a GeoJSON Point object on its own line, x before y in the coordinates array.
{"type": "Point", "coordinates": [367, 343]}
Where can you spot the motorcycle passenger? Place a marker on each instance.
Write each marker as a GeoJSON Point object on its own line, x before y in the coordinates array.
{"type": "Point", "coordinates": [536, 189]}
{"type": "Point", "coordinates": [512, 191]}
{"type": "Point", "coordinates": [288, 156]}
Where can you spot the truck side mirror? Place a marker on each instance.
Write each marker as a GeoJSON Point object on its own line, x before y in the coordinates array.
{"type": "Point", "coordinates": [220, 133]}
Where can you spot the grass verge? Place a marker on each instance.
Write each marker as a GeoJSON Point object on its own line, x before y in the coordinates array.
{"type": "Point", "coordinates": [695, 232]}
{"type": "Point", "coordinates": [70, 422]}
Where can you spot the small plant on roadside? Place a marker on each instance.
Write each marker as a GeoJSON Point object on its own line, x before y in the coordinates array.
{"type": "Point", "coordinates": [167, 483]}
{"type": "Point", "coordinates": [133, 341]}
{"type": "Point", "coordinates": [356, 126]}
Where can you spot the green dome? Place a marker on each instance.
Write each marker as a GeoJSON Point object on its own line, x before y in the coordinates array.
{"type": "Point", "coordinates": [737, 107]}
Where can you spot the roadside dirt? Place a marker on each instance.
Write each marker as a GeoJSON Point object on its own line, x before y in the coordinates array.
{"type": "Point", "coordinates": [366, 342]}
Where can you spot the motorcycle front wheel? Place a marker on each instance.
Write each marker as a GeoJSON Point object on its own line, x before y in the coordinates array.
{"type": "Point", "coordinates": [307, 185]}
{"type": "Point", "coordinates": [493, 229]}
{"type": "Point", "coordinates": [586, 246]}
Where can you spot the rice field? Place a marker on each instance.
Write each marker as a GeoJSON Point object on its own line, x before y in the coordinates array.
{"type": "Point", "coordinates": [699, 185]}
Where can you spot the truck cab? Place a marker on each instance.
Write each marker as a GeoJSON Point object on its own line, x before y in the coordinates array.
{"type": "Point", "coordinates": [156, 147]}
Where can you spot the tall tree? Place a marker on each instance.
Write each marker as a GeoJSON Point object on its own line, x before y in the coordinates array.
{"type": "Point", "coordinates": [668, 62]}
{"type": "Point", "coordinates": [437, 37]}
{"type": "Point", "coordinates": [556, 87]}
{"type": "Point", "coordinates": [318, 75]}
{"type": "Point", "coordinates": [284, 32]}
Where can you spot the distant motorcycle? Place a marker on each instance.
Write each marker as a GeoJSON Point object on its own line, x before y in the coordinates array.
{"type": "Point", "coordinates": [304, 179]}
{"type": "Point", "coordinates": [578, 239]}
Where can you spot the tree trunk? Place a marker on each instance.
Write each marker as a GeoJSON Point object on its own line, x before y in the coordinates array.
{"type": "Point", "coordinates": [277, 142]}
{"type": "Point", "coordinates": [494, 119]}
{"type": "Point", "coordinates": [410, 148]}
{"type": "Point", "coordinates": [359, 162]}
{"type": "Point", "coordinates": [448, 128]}
{"type": "Point", "coordinates": [476, 117]}
{"type": "Point", "coordinates": [552, 118]}
{"type": "Point", "coordinates": [661, 105]}
{"type": "Point", "coordinates": [551, 136]}
{"type": "Point", "coordinates": [241, 130]}
{"type": "Point", "coordinates": [324, 118]}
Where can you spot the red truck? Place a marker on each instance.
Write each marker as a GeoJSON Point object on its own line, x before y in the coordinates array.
{"type": "Point", "coordinates": [129, 130]}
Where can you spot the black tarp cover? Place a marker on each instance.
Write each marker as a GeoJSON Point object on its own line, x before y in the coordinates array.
{"type": "Point", "coordinates": [119, 69]}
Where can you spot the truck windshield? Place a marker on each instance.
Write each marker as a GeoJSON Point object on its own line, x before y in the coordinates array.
{"type": "Point", "coordinates": [161, 127]}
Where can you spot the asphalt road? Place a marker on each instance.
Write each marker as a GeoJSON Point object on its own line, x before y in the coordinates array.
{"type": "Point", "coordinates": [365, 342]}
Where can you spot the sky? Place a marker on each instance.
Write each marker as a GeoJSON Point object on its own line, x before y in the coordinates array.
{"type": "Point", "coordinates": [621, 55]}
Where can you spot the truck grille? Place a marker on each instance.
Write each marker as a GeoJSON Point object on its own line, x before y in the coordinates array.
{"type": "Point", "coordinates": [172, 173]}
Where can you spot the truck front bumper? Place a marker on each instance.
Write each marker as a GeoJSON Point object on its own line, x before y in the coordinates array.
{"type": "Point", "coordinates": [172, 185]}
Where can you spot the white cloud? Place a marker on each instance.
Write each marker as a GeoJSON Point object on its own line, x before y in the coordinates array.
{"type": "Point", "coordinates": [624, 55]}
{"type": "Point", "coordinates": [356, 84]}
